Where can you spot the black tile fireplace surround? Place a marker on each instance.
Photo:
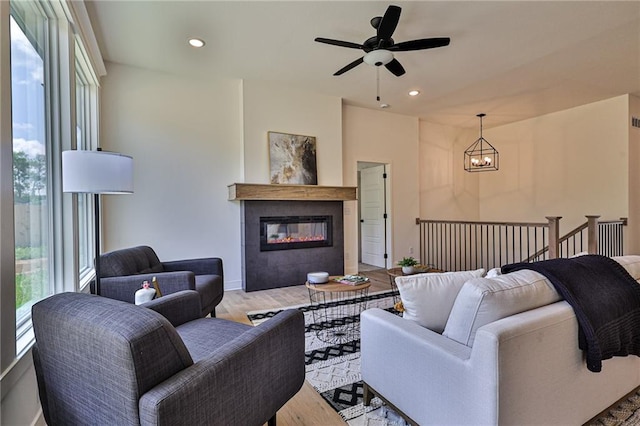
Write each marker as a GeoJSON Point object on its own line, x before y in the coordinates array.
{"type": "Point", "coordinates": [265, 269]}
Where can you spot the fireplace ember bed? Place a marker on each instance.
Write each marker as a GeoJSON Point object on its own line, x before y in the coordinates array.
{"type": "Point", "coordinates": [295, 232]}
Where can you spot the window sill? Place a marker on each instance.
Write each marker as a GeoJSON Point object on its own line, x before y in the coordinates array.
{"type": "Point", "coordinates": [26, 339]}
{"type": "Point", "coordinates": [85, 280]}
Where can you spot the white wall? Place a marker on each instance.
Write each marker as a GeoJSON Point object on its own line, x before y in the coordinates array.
{"type": "Point", "coordinates": [383, 137]}
{"type": "Point", "coordinates": [447, 191]}
{"type": "Point", "coordinates": [190, 140]}
{"type": "Point", "coordinates": [271, 107]}
{"type": "Point", "coordinates": [571, 163]}
{"type": "Point", "coordinates": [185, 138]}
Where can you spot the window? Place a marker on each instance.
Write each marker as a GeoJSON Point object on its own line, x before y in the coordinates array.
{"type": "Point", "coordinates": [86, 138]}
{"type": "Point", "coordinates": [31, 184]}
{"type": "Point", "coordinates": [48, 104]}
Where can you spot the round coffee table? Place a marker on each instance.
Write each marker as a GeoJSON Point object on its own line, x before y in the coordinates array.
{"type": "Point", "coordinates": [336, 309]}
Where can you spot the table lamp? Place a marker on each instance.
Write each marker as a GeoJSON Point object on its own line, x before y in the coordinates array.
{"type": "Point", "coordinates": [97, 172]}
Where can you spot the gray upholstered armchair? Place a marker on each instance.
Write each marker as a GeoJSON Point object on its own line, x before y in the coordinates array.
{"type": "Point", "coordinates": [123, 271]}
{"type": "Point", "coordinates": [100, 361]}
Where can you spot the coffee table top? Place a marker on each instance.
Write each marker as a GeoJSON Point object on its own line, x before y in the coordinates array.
{"type": "Point", "coordinates": [334, 286]}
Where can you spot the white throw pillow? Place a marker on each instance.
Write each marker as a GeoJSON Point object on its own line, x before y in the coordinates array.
{"type": "Point", "coordinates": [428, 298]}
{"type": "Point", "coordinates": [485, 300]}
{"type": "Point", "coordinates": [631, 263]}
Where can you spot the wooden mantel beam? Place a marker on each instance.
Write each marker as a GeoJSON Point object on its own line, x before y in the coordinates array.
{"type": "Point", "coordinates": [256, 191]}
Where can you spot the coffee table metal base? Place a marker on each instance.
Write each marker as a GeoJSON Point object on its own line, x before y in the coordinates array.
{"type": "Point", "coordinates": [336, 310]}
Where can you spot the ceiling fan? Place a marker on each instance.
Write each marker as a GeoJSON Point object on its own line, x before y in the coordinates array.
{"type": "Point", "coordinates": [379, 48]}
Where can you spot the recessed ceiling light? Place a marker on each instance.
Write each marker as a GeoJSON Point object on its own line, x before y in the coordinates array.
{"type": "Point", "coordinates": [414, 93]}
{"type": "Point", "coordinates": [196, 42]}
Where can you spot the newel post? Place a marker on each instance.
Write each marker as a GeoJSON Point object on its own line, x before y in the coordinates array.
{"type": "Point", "coordinates": [592, 234]}
{"type": "Point", "coordinates": [554, 236]}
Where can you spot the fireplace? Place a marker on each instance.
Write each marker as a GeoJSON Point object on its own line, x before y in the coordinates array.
{"type": "Point", "coordinates": [295, 232]}
{"type": "Point", "coordinates": [284, 240]}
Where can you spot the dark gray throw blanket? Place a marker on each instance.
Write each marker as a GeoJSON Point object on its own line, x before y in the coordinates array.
{"type": "Point", "coordinates": [606, 301]}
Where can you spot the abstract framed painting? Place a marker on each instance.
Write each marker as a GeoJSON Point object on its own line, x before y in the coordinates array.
{"type": "Point", "coordinates": [292, 159]}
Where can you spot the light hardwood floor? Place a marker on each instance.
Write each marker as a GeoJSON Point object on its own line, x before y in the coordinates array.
{"type": "Point", "coordinates": [307, 408]}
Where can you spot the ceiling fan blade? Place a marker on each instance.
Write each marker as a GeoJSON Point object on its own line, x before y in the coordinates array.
{"type": "Point", "coordinates": [424, 43]}
{"type": "Point", "coordinates": [350, 66]}
{"type": "Point", "coordinates": [389, 22]}
{"type": "Point", "coordinates": [339, 43]}
{"type": "Point", "coordinates": [395, 67]}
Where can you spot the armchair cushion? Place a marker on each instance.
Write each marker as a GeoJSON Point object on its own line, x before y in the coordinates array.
{"type": "Point", "coordinates": [124, 288]}
{"type": "Point", "coordinates": [134, 260]}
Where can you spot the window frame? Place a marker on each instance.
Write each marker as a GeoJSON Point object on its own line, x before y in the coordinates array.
{"type": "Point", "coordinates": [87, 114]}
{"type": "Point", "coordinates": [22, 13]}
{"type": "Point", "coordinates": [71, 52]}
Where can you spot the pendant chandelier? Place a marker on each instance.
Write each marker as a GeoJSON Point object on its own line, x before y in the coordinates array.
{"type": "Point", "coordinates": [481, 156]}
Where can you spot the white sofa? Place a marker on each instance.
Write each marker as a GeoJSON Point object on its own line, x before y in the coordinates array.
{"type": "Point", "coordinates": [508, 354]}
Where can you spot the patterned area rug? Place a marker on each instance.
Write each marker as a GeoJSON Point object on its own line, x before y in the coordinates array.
{"type": "Point", "coordinates": [333, 369]}
{"type": "Point", "coordinates": [625, 413]}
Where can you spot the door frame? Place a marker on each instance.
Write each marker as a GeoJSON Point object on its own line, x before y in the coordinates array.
{"type": "Point", "coordinates": [388, 234]}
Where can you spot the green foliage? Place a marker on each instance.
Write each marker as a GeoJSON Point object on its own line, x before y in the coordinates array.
{"type": "Point", "coordinates": [23, 289]}
{"type": "Point", "coordinates": [26, 253]}
{"type": "Point", "coordinates": [30, 286]}
{"type": "Point", "coordinates": [407, 261]}
{"type": "Point", "coordinates": [29, 177]}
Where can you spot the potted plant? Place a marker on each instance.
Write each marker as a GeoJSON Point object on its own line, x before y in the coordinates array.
{"type": "Point", "coordinates": [408, 265]}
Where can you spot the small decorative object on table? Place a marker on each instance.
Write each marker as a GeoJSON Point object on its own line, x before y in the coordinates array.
{"type": "Point", "coordinates": [318, 277]}
{"type": "Point", "coordinates": [351, 279]}
{"type": "Point", "coordinates": [408, 265]}
{"type": "Point", "coordinates": [154, 282]}
{"type": "Point", "coordinates": [145, 294]}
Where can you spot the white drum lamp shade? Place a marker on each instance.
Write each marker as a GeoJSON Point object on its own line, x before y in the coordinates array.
{"type": "Point", "coordinates": [97, 172]}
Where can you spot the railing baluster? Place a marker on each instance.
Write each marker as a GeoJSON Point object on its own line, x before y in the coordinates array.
{"type": "Point", "coordinates": [463, 245]}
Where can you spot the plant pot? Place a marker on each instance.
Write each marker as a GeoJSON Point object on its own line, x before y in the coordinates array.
{"type": "Point", "coordinates": [407, 270]}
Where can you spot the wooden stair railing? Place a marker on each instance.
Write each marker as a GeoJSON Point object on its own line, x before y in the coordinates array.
{"type": "Point", "coordinates": [462, 245]}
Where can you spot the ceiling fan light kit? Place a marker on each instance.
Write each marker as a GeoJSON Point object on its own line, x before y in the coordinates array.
{"type": "Point", "coordinates": [481, 156]}
{"type": "Point", "coordinates": [379, 48]}
{"type": "Point", "coordinates": [378, 57]}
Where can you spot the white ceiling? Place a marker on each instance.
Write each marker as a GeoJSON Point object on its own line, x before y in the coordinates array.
{"type": "Point", "coordinates": [512, 60]}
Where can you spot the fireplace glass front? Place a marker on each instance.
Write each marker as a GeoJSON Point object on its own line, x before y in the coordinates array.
{"type": "Point", "coordinates": [295, 232]}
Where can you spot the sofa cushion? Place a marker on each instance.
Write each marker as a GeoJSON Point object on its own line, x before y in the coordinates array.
{"type": "Point", "coordinates": [631, 263]}
{"type": "Point", "coordinates": [428, 298]}
{"type": "Point", "coordinates": [485, 300]}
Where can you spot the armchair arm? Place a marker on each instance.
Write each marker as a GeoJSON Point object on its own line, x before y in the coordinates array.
{"type": "Point", "coordinates": [422, 372]}
{"type": "Point", "coordinates": [124, 288]}
{"type": "Point", "coordinates": [178, 308]}
{"type": "Point", "coordinates": [261, 369]}
{"type": "Point", "coordinates": [204, 266]}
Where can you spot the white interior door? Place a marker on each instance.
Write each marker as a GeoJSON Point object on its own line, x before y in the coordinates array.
{"type": "Point", "coordinates": [372, 211]}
